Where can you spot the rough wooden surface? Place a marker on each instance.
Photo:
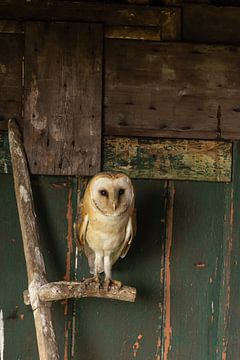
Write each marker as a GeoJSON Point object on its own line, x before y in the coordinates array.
{"type": "Point", "coordinates": [211, 24]}
{"type": "Point", "coordinates": [171, 90]}
{"type": "Point", "coordinates": [162, 159]}
{"type": "Point", "coordinates": [65, 290]}
{"type": "Point", "coordinates": [11, 52]}
{"type": "Point", "coordinates": [47, 345]}
{"type": "Point", "coordinates": [62, 123]}
{"type": "Point", "coordinates": [111, 14]}
{"type": "Point", "coordinates": [133, 32]}
{"type": "Point", "coordinates": [11, 27]}
{"type": "Point", "coordinates": [169, 159]}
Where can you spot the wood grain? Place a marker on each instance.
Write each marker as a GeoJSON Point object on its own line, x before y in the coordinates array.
{"type": "Point", "coordinates": [62, 124]}
{"type": "Point", "coordinates": [11, 53]}
{"type": "Point", "coordinates": [211, 24]}
{"type": "Point", "coordinates": [133, 33]}
{"type": "Point", "coordinates": [87, 11]}
{"type": "Point", "coordinates": [169, 159]}
{"type": "Point", "coordinates": [171, 90]}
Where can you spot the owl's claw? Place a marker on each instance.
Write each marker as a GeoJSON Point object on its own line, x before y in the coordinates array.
{"type": "Point", "coordinates": [112, 284]}
{"type": "Point", "coordinates": [93, 281]}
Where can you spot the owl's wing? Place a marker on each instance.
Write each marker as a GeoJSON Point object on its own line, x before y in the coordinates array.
{"type": "Point", "coordinates": [81, 226]}
{"type": "Point", "coordinates": [81, 234]}
{"type": "Point", "coordinates": [130, 234]}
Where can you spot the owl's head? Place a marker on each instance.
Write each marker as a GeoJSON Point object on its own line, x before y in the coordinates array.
{"type": "Point", "coordinates": [111, 194]}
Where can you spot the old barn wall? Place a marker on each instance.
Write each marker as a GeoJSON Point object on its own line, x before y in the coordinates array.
{"type": "Point", "coordinates": [147, 87]}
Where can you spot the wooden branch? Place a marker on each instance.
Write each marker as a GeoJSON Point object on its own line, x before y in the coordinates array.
{"type": "Point", "coordinates": [47, 345]}
{"type": "Point", "coordinates": [64, 290]}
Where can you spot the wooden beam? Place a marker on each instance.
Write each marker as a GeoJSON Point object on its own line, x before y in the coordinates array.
{"type": "Point", "coordinates": [63, 98]}
{"type": "Point", "coordinates": [108, 13]}
{"type": "Point", "coordinates": [47, 345]}
{"type": "Point", "coordinates": [157, 158]}
{"type": "Point", "coordinates": [175, 90]}
{"type": "Point", "coordinates": [169, 159]}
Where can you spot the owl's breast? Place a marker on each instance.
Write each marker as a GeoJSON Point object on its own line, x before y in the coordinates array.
{"type": "Point", "coordinates": [106, 234]}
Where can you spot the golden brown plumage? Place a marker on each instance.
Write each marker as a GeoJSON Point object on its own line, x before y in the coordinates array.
{"type": "Point", "coordinates": [108, 221]}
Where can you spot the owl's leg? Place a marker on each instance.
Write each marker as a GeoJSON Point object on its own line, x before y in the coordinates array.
{"type": "Point", "coordinates": [108, 282]}
{"type": "Point", "coordinates": [98, 266]}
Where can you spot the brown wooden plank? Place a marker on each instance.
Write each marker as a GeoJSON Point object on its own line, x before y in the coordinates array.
{"type": "Point", "coordinates": [11, 27]}
{"type": "Point", "coordinates": [171, 90]}
{"type": "Point", "coordinates": [111, 14]}
{"type": "Point", "coordinates": [62, 126]}
{"type": "Point", "coordinates": [132, 32]}
{"type": "Point", "coordinates": [211, 24]}
{"type": "Point", "coordinates": [169, 159]}
{"type": "Point", "coordinates": [11, 52]}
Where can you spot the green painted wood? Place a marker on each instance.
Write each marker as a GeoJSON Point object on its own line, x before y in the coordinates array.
{"type": "Point", "coordinates": [169, 159]}
{"type": "Point", "coordinates": [196, 263]}
{"type": "Point", "coordinates": [229, 332]}
{"type": "Point", "coordinates": [157, 158]}
{"type": "Point", "coordinates": [114, 330]}
{"type": "Point", "coordinates": [54, 199]}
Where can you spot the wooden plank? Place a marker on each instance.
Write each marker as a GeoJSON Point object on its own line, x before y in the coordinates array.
{"type": "Point", "coordinates": [169, 159]}
{"type": "Point", "coordinates": [211, 24]}
{"type": "Point", "coordinates": [229, 332]}
{"type": "Point", "coordinates": [62, 126]}
{"type": "Point", "coordinates": [11, 27]}
{"type": "Point", "coordinates": [171, 90]}
{"type": "Point", "coordinates": [196, 259]}
{"type": "Point", "coordinates": [134, 33]}
{"type": "Point", "coordinates": [109, 13]}
{"type": "Point", "coordinates": [138, 326]}
{"type": "Point", "coordinates": [160, 159]}
{"type": "Point", "coordinates": [11, 53]}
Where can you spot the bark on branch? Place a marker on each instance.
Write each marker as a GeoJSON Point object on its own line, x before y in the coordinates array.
{"type": "Point", "coordinates": [65, 290]}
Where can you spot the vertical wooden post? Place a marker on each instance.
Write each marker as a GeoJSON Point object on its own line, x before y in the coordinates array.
{"type": "Point", "coordinates": [47, 345]}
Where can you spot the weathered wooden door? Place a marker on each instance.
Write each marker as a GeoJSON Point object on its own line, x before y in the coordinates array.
{"type": "Point", "coordinates": [95, 102]}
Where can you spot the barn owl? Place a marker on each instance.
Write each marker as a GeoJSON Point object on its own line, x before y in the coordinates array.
{"type": "Point", "coordinates": [107, 226]}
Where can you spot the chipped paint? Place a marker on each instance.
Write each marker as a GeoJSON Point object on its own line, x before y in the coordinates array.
{"type": "Point", "coordinates": [168, 328]}
{"type": "Point", "coordinates": [69, 217]}
{"type": "Point", "coordinates": [24, 194]}
{"type": "Point", "coordinates": [1, 335]}
{"type": "Point", "coordinates": [136, 345]}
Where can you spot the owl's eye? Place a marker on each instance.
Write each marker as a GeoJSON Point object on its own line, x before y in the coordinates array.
{"type": "Point", "coordinates": [121, 192]}
{"type": "Point", "coordinates": [103, 192]}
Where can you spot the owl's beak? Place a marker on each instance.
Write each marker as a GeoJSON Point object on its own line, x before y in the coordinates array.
{"type": "Point", "coordinates": [114, 205]}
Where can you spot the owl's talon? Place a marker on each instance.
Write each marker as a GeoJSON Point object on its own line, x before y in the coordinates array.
{"type": "Point", "coordinates": [112, 284]}
{"type": "Point", "coordinates": [93, 281]}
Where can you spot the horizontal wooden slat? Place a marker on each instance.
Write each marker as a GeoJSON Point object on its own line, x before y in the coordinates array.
{"type": "Point", "coordinates": [157, 159]}
{"type": "Point", "coordinates": [169, 159]}
{"type": "Point", "coordinates": [132, 32]}
{"type": "Point", "coordinates": [11, 27]}
{"type": "Point", "coordinates": [211, 24]}
{"type": "Point", "coordinates": [110, 14]}
{"type": "Point", "coordinates": [176, 90]}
